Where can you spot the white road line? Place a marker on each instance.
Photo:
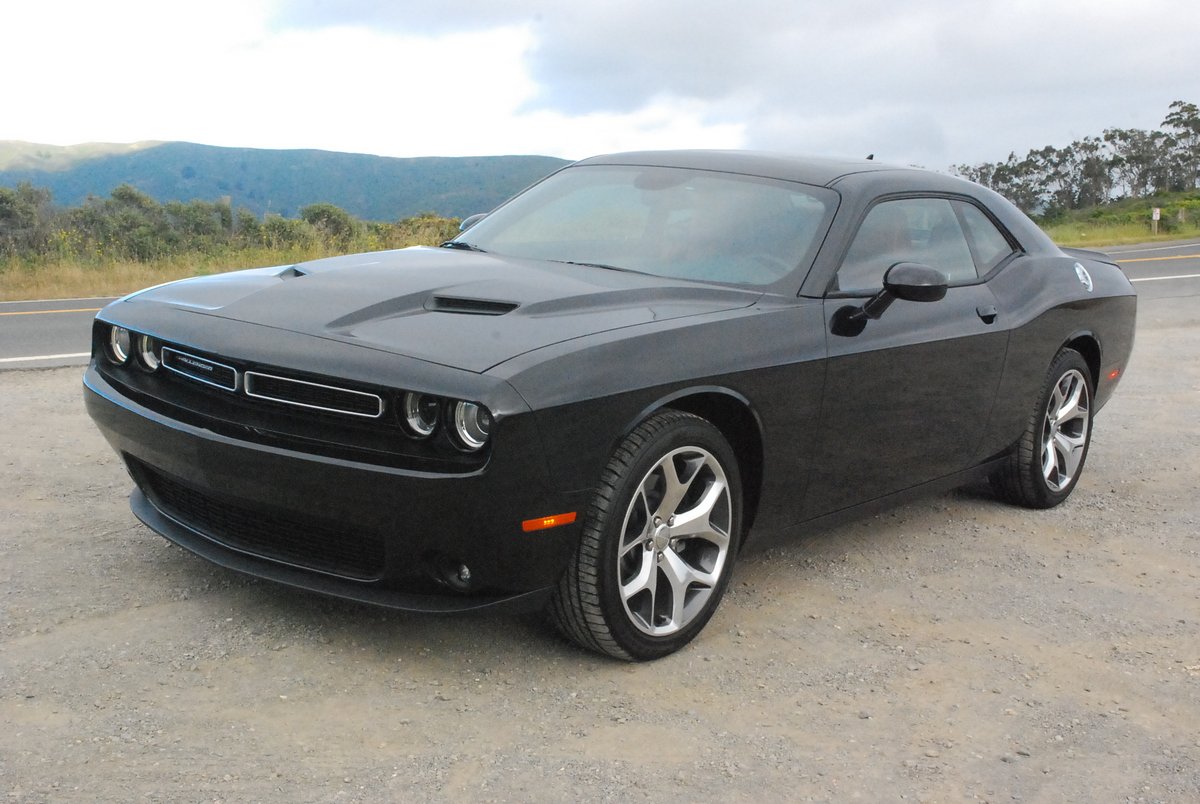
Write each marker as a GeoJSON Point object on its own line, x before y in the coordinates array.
{"type": "Point", "coordinates": [1161, 278]}
{"type": "Point", "coordinates": [1115, 252]}
{"type": "Point", "coordinates": [42, 357]}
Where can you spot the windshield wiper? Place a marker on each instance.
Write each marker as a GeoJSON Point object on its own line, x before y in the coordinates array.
{"type": "Point", "coordinates": [598, 265]}
{"type": "Point", "coordinates": [462, 245]}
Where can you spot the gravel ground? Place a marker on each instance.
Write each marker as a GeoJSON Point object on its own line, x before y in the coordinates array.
{"type": "Point", "coordinates": [951, 649]}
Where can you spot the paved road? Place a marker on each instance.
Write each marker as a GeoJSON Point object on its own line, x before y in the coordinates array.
{"type": "Point", "coordinates": [1161, 270]}
{"type": "Point", "coordinates": [37, 334]}
{"type": "Point", "coordinates": [54, 332]}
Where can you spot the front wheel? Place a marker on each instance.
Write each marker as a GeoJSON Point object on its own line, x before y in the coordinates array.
{"type": "Point", "coordinates": [658, 543]}
{"type": "Point", "coordinates": [1046, 464]}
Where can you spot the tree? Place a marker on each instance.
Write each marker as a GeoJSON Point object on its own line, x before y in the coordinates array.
{"type": "Point", "coordinates": [26, 219]}
{"type": "Point", "coordinates": [1141, 161]}
{"type": "Point", "coordinates": [1095, 170]}
{"type": "Point", "coordinates": [1184, 122]}
{"type": "Point", "coordinates": [332, 222]}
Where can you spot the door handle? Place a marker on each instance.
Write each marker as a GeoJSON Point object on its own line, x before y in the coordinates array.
{"type": "Point", "coordinates": [987, 312]}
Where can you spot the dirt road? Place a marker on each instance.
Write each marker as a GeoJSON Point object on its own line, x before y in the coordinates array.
{"type": "Point", "coordinates": [952, 649]}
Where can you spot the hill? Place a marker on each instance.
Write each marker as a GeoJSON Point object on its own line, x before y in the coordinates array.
{"type": "Point", "coordinates": [280, 181]}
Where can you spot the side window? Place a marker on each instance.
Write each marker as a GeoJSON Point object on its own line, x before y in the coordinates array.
{"type": "Point", "coordinates": [991, 246]}
{"type": "Point", "coordinates": [923, 230]}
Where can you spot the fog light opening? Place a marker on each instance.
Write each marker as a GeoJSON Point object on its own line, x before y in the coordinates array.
{"type": "Point", "coordinates": [452, 572]}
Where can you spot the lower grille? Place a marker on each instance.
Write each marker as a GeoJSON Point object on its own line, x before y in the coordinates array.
{"type": "Point", "coordinates": [292, 540]}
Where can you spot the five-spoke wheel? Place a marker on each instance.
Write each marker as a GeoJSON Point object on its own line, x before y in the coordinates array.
{"type": "Point", "coordinates": [658, 543]}
{"type": "Point", "coordinates": [1046, 464]}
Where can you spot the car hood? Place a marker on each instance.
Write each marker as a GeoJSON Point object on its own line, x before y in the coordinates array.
{"type": "Point", "coordinates": [463, 309]}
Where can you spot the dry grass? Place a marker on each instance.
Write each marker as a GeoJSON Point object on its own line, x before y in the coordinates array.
{"type": "Point", "coordinates": [67, 279]}
{"type": "Point", "coordinates": [70, 277]}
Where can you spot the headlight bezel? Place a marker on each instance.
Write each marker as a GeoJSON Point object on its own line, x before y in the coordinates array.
{"type": "Point", "coordinates": [147, 352]}
{"type": "Point", "coordinates": [472, 425]}
{"type": "Point", "coordinates": [118, 346]}
{"type": "Point", "coordinates": [420, 414]}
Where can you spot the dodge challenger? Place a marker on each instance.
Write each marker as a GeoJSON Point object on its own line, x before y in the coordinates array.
{"type": "Point", "coordinates": [593, 398]}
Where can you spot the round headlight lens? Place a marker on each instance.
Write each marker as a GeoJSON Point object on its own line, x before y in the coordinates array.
{"type": "Point", "coordinates": [420, 412]}
{"type": "Point", "coordinates": [147, 352]}
{"type": "Point", "coordinates": [472, 425]}
{"type": "Point", "coordinates": [119, 342]}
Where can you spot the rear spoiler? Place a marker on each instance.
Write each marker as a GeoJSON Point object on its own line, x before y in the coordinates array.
{"type": "Point", "coordinates": [1085, 254]}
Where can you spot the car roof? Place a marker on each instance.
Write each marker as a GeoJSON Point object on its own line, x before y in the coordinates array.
{"type": "Point", "coordinates": [862, 180]}
{"type": "Point", "coordinates": [805, 169]}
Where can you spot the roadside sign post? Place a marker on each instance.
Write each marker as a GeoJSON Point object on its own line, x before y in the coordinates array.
{"type": "Point", "coordinates": [1155, 216]}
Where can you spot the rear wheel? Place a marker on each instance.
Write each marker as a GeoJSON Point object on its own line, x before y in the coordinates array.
{"type": "Point", "coordinates": [1047, 462]}
{"type": "Point", "coordinates": [658, 543]}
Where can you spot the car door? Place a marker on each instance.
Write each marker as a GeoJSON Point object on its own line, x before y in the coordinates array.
{"type": "Point", "coordinates": [908, 397]}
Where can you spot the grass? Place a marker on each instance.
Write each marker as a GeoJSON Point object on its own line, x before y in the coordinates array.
{"type": "Point", "coordinates": [1128, 221]}
{"type": "Point", "coordinates": [73, 279]}
{"type": "Point", "coordinates": [1113, 234]}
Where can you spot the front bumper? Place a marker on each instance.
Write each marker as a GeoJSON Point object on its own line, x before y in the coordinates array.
{"type": "Point", "coordinates": [378, 534]}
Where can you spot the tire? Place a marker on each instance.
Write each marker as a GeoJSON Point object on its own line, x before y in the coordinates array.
{"type": "Point", "coordinates": [658, 544]}
{"type": "Point", "coordinates": [1044, 467]}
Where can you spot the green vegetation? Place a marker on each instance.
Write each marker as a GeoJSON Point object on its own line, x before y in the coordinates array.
{"type": "Point", "coordinates": [129, 241]}
{"type": "Point", "coordinates": [1128, 221]}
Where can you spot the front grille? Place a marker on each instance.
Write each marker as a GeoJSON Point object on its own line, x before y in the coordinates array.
{"type": "Point", "coordinates": [290, 539]}
{"type": "Point", "coordinates": [313, 395]}
{"type": "Point", "coordinates": [200, 369]}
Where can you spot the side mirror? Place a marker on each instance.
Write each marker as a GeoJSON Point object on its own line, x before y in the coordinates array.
{"type": "Point", "coordinates": [470, 221]}
{"type": "Point", "coordinates": [909, 281]}
{"type": "Point", "coordinates": [912, 281]}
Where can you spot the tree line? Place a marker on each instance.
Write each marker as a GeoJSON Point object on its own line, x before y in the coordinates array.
{"type": "Point", "coordinates": [130, 225]}
{"type": "Point", "coordinates": [1120, 163]}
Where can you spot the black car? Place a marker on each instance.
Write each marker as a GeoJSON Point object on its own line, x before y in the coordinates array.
{"type": "Point", "coordinates": [596, 395]}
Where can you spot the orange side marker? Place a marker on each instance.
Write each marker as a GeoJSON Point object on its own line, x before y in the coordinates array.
{"type": "Point", "coordinates": [545, 522]}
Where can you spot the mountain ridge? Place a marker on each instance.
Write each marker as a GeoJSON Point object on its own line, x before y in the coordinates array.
{"type": "Point", "coordinates": [278, 181]}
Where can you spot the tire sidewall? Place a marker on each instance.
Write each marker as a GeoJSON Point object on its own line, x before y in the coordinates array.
{"type": "Point", "coordinates": [688, 432]}
{"type": "Point", "coordinates": [1066, 361]}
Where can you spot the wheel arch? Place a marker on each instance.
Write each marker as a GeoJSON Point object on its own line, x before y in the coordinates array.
{"type": "Point", "coordinates": [732, 414]}
{"type": "Point", "coordinates": [1088, 345]}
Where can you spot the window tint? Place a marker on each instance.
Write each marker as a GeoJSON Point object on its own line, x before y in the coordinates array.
{"type": "Point", "coordinates": [922, 230]}
{"type": "Point", "coordinates": [671, 222]}
{"type": "Point", "coordinates": [991, 247]}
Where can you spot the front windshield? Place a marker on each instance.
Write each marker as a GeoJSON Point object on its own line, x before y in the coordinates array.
{"type": "Point", "coordinates": [670, 222]}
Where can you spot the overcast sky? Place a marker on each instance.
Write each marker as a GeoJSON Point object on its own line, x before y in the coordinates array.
{"type": "Point", "coordinates": [929, 82]}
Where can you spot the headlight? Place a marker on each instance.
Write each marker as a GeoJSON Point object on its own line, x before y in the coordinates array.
{"type": "Point", "coordinates": [472, 425]}
{"type": "Point", "coordinates": [119, 340]}
{"type": "Point", "coordinates": [420, 412]}
{"type": "Point", "coordinates": [147, 352]}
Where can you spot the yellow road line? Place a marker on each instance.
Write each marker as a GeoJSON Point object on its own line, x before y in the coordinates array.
{"type": "Point", "coordinates": [1155, 259]}
{"type": "Point", "coordinates": [48, 312]}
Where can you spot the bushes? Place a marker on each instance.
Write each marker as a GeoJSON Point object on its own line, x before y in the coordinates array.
{"type": "Point", "coordinates": [118, 244]}
{"type": "Point", "coordinates": [131, 226]}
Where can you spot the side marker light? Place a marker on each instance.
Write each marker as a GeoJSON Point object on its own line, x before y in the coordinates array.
{"type": "Point", "coordinates": [546, 522]}
{"type": "Point", "coordinates": [1112, 375]}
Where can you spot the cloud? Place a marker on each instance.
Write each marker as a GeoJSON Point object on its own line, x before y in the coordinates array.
{"type": "Point", "coordinates": [928, 81]}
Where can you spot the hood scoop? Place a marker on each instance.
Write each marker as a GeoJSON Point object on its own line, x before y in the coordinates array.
{"type": "Point", "coordinates": [465, 306]}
